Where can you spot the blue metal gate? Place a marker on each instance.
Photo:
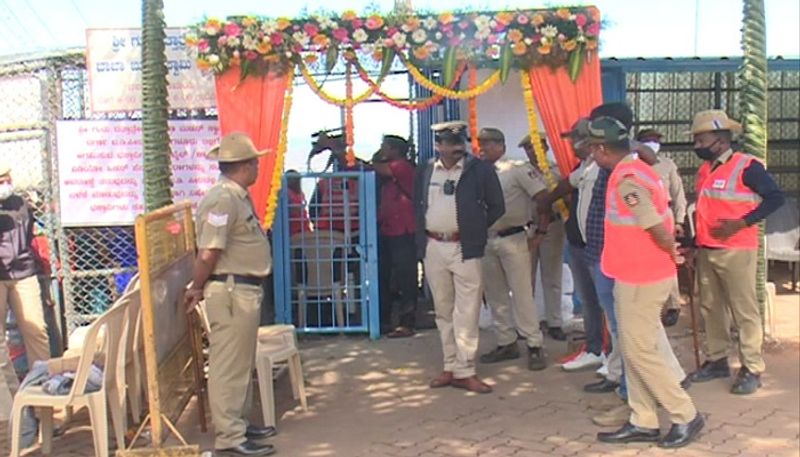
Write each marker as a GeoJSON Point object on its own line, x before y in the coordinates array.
{"type": "Point", "coordinates": [326, 255]}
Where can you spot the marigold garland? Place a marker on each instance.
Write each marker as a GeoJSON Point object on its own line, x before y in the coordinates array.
{"type": "Point", "coordinates": [415, 105]}
{"type": "Point", "coordinates": [472, 103]}
{"type": "Point", "coordinates": [320, 92]}
{"type": "Point", "coordinates": [283, 142]}
{"type": "Point", "coordinates": [348, 116]}
{"type": "Point", "coordinates": [423, 81]}
{"type": "Point", "coordinates": [536, 139]}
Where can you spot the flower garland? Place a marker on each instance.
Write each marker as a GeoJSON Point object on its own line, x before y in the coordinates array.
{"type": "Point", "coordinates": [320, 92]}
{"type": "Point", "coordinates": [414, 105]}
{"type": "Point", "coordinates": [348, 116]}
{"type": "Point", "coordinates": [536, 139]}
{"type": "Point", "coordinates": [423, 81]}
{"type": "Point", "coordinates": [283, 142]}
{"type": "Point", "coordinates": [472, 103]}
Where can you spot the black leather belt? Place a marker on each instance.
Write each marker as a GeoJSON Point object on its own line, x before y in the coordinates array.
{"type": "Point", "coordinates": [510, 231]}
{"type": "Point", "coordinates": [239, 279]}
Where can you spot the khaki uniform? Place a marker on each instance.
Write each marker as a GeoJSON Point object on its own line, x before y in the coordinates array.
{"type": "Point", "coordinates": [507, 262]}
{"type": "Point", "coordinates": [649, 370]}
{"type": "Point", "coordinates": [668, 172]}
{"type": "Point", "coordinates": [226, 221]}
{"type": "Point", "coordinates": [455, 283]}
{"type": "Point", "coordinates": [549, 256]}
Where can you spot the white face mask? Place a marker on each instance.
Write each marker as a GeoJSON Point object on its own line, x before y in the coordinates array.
{"type": "Point", "coordinates": [6, 190]}
{"type": "Point", "coordinates": [654, 145]}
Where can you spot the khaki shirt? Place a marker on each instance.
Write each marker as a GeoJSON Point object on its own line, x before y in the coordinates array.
{"type": "Point", "coordinates": [226, 221]}
{"type": "Point", "coordinates": [520, 182]}
{"type": "Point", "coordinates": [668, 172]}
{"type": "Point", "coordinates": [638, 199]}
{"type": "Point", "coordinates": [441, 216]}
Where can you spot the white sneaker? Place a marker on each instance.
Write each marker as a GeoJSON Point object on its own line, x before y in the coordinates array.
{"type": "Point", "coordinates": [603, 370]}
{"type": "Point", "coordinates": [584, 361]}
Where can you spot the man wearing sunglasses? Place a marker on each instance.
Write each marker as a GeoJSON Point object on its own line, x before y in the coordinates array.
{"type": "Point", "coordinates": [456, 198]}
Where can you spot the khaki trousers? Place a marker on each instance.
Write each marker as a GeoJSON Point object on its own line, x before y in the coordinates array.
{"type": "Point", "coordinates": [550, 255]}
{"type": "Point", "coordinates": [727, 283]}
{"type": "Point", "coordinates": [457, 291]}
{"type": "Point", "coordinates": [674, 300]}
{"type": "Point", "coordinates": [234, 312]}
{"type": "Point", "coordinates": [650, 379]}
{"type": "Point", "coordinates": [507, 267]}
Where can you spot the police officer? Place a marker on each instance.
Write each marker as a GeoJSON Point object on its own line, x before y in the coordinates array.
{"type": "Point", "coordinates": [457, 198]}
{"type": "Point", "coordinates": [507, 262]}
{"type": "Point", "coordinates": [548, 254]}
{"type": "Point", "coordinates": [640, 255]}
{"type": "Point", "coordinates": [668, 171]}
{"type": "Point", "coordinates": [734, 193]}
{"type": "Point", "coordinates": [232, 261]}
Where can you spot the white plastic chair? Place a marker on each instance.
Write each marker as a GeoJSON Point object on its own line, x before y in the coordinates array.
{"type": "Point", "coordinates": [278, 344]}
{"type": "Point", "coordinates": [114, 322]}
{"type": "Point", "coordinates": [319, 265]}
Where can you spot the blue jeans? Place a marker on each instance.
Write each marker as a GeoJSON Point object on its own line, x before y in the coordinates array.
{"type": "Point", "coordinates": [585, 291]}
{"type": "Point", "coordinates": [605, 294]}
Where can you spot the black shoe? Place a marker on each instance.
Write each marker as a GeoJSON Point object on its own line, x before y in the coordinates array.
{"type": "Point", "coordinates": [682, 434]}
{"type": "Point", "coordinates": [601, 387]}
{"type": "Point", "coordinates": [556, 333]}
{"type": "Point", "coordinates": [501, 353]}
{"type": "Point", "coordinates": [686, 383]}
{"type": "Point", "coordinates": [629, 433]}
{"type": "Point", "coordinates": [746, 382]}
{"type": "Point", "coordinates": [536, 360]}
{"type": "Point", "coordinates": [255, 432]}
{"type": "Point", "coordinates": [671, 317]}
{"type": "Point", "coordinates": [711, 370]}
{"type": "Point", "coordinates": [248, 448]}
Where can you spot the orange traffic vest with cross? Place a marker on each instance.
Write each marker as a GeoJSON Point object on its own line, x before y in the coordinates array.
{"type": "Point", "coordinates": [722, 194]}
{"type": "Point", "coordinates": [629, 254]}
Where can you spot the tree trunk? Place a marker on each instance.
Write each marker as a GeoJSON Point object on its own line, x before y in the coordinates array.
{"type": "Point", "coordinates": [155, 108]}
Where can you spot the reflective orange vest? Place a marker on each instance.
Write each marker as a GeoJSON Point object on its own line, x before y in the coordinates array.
{"type": "Point", "coordinates": [629, 252]}
{"type": "Point", "coordinates": [336, 194]}
{"type": "Point", "coordinates": [721, 194]}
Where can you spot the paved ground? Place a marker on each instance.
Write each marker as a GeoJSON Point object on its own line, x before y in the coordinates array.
{"type": "Point", "coordinates": [370, 399]}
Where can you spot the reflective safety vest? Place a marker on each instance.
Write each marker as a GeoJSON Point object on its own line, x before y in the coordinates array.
{"type": "Point", "coordinates": [722, 194]}
{"type": "Point", "coordinates": [338, 205]}
{"type": "Point", "coordinates": [629, 252]}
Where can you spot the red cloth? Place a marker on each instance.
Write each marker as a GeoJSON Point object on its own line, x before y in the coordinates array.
{"type": "Point", "coordinates": [396, 213]}
{"type": "Point", "coordinates": [298, 214]}
{"type": "Point", "coordinates": [254, 106]}
{"type": "Point", "coordinates": [562, 102]}
{"type": "Point", "coordinates": [722, 194]}
{"type": "Point", "coordinates": [630, 254]}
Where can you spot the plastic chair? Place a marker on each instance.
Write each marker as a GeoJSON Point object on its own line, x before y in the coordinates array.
{"type": "Point", "coordinates": [272, 350]}
{"type": "Point", "coordinates": [319, 264]}
{"type": "Point", "coordinates": [114, 322]}
{"type": "Point", "coordinates": [783, 236]}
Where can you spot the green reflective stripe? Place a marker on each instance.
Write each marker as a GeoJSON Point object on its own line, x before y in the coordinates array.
{"type": "Point", "coordinates": [731, 196]}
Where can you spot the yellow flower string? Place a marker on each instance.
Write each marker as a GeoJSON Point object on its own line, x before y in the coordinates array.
{"type": "Point", "coordinates": [283, 142]}
{"type": "Point", "coordinates": [472, 103]}
{"type": "Point", "coordinates": [536, 139]}
{"type": "Point", "coordinates": [423, 81]}
{"type": "Point", "coordinates": [340, 102]}
{"type": "Point", "coordinates": [349, 129]}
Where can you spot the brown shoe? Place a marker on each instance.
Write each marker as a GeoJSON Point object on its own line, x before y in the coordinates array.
{"type": "Point", "coordinates": [443, 380]}
{"type": "Point", "coordinates": [472, 384]}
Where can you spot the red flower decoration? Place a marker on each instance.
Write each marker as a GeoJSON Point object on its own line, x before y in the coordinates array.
{"type": "Point", "coordinates": [593, 29]}
{"type": "Point", "coordinates": [250, 55]}
{"type": "Point", "coordinates": [341, 34]}
{"type": "Point", "coordinates": [276, 39]}
{"type": "Point", "coordinates": [232, 29]}
{"type": "Point", "coordinates": [203, 45]}
{"type": "Point", "coordinates": [357, 23]}
{"type": "Point", "coordinates": [311, 29]}
{"type": "Point", "coordinates": [580, 19]}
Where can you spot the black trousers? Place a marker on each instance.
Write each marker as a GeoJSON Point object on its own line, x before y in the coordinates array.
{"type": "Point", "coordinates": [398, 280]}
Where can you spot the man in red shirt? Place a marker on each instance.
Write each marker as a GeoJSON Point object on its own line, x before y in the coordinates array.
{"type": "Point", "coordinates": [398, 263]}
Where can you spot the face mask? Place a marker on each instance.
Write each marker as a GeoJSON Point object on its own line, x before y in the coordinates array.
{"type": "Point", "coordinates": [6, 190]}
{"type": "Point", "coordinates": [654, 145]}
{"type": "Point", "coordinates": [706, 153]}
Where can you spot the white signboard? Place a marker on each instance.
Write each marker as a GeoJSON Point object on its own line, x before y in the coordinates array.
{"type": "Point", "coordinates": [114, 62]}
{"type": "Point", "coordinates": [100, 168]}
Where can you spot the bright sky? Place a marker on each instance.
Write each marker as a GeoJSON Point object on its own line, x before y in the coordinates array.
{"type": "Point", "coordinates": [635, 28]}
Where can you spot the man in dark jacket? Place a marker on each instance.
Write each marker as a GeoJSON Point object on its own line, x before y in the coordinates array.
{"type": "Point", "coordinates": [457, 197]}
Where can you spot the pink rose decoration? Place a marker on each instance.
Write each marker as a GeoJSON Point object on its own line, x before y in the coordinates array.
{"type": "Point", "coordinates": [523, 19]}
{"type": "Point", "coordinates": [593, 29]}
{"type": "Point", "coordinates": [341, 35]}
{"type": "Point", "coordinates": [232, 29]}
{"type": "Point", "coordinates": [492, 39]}
{"type": "Point", "coordinates": [454, 40]}
{"type": "Point", "coordinates": [276, 39]}
{"type": "Point", "coordinates": [250, 55]}
{"type": "Point", "coordinates": [580, 19]}
{"type": "Point", "coordinates": [357, 23]}
{"type": "Point", "coordinates": [311, 29]}
{"type": "Point", "coordinates": [203, 45]}
{"type": "Point", "coordinates": [222, 41]}
{"type": "Point", "coordinates": [391, 31]}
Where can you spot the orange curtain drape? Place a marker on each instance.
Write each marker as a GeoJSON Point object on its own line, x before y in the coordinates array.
{"type": "Point", "coordinates": [561, 102]}
{"type": "Point", "coordinates": [254, 106]}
